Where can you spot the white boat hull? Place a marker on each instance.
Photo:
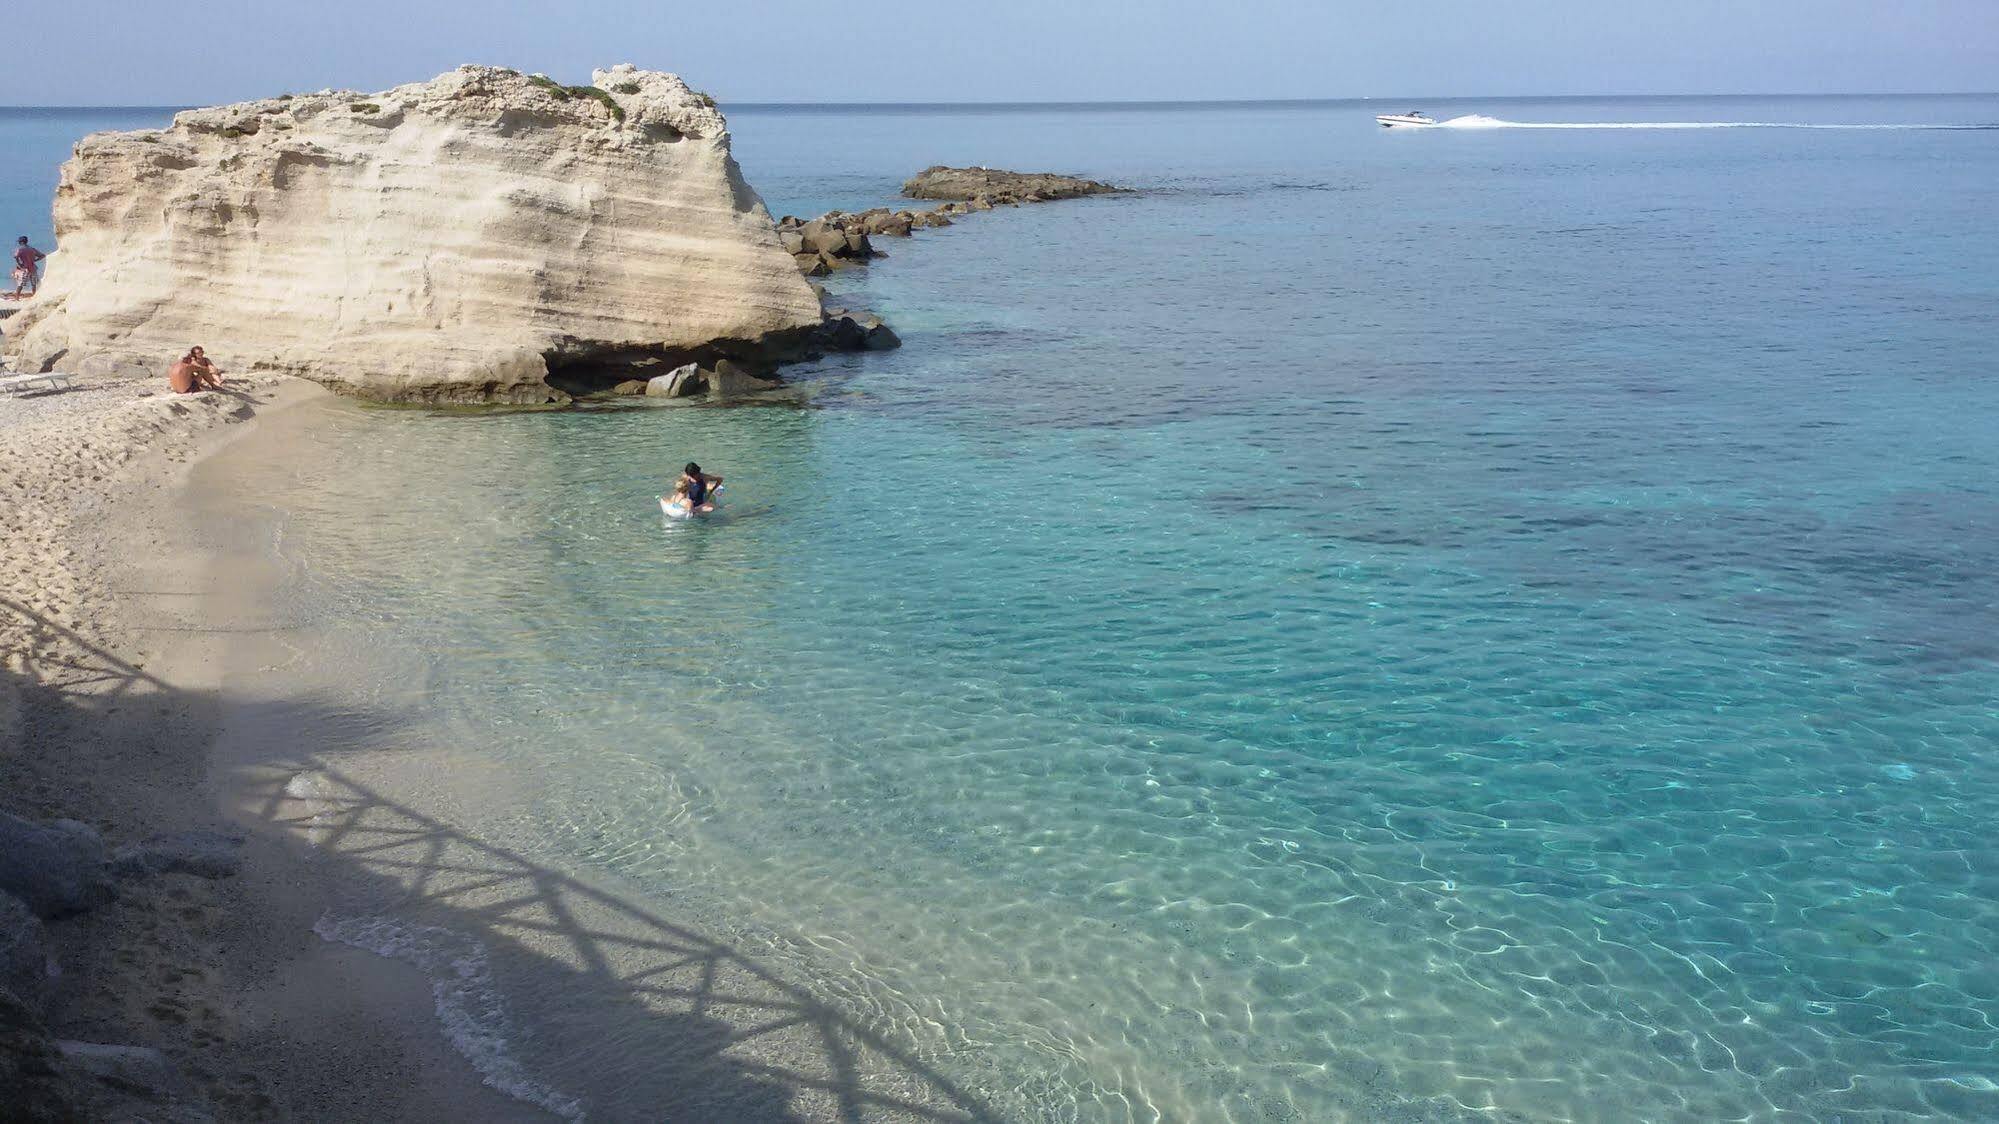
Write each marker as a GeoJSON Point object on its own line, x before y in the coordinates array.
{"type": "Point", "coordinates": [1391, 120]}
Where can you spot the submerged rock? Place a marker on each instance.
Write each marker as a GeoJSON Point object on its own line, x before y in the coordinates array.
{"type": "Point", "coordinates": [461, 239]}
{"type": "Point", "coordinates": [56, 869]}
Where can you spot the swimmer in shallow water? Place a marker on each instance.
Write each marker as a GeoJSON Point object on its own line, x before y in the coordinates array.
{"type": "Point", "coordinates": [695, 490]}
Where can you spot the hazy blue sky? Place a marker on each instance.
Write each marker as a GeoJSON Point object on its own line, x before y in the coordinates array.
{"type": "Point", "coordinates": [162, 52]}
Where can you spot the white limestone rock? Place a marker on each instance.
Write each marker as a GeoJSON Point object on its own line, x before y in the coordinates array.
{"type": "Point", "coordinates": [450, 240]}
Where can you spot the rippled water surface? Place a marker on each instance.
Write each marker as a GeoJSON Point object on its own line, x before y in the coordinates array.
{"type": "Point", "coordinates": [1490, 623]}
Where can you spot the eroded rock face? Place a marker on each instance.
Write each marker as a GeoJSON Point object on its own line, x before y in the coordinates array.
{"type": "Point", "coordinates": [940, 182]}
{"type": "Point", "coordinates": [460, 239]}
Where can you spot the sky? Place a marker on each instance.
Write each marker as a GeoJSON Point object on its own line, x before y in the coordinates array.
{"type": "Point", "coordinates": [169, 52]}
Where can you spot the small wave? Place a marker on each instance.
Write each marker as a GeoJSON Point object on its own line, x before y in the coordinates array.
{"type": "Point", "coordinates": [469, 1005]}
{"type": "Point", "coordinates": [1481, 121]}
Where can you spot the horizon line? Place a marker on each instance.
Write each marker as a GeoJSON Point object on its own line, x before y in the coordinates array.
{"type": "Point", "coordinates": [1169, 103]}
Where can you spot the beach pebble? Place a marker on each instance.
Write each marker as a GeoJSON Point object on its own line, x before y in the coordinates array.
{"type": "Point", "coordinates": [55, 868]}
{"type": "Point", "coordinates": [205, 854]}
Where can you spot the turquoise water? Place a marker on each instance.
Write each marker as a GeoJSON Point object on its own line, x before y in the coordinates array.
{"type": "Point", "coordinates": [1479, 622]}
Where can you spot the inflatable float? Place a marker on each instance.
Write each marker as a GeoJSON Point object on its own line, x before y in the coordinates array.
{"type": "Point", "coordinates": [678, 509]}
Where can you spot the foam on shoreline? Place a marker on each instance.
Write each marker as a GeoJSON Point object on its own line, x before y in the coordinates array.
{"type": "Point", "coordinates": [470, 1007]}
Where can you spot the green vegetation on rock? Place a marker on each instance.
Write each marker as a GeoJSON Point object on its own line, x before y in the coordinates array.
{"type": "Point", "coordinates": [566, 93]}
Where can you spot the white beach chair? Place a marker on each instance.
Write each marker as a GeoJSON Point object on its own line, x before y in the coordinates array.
{"type": "Point", "coordinates": [21, 384]}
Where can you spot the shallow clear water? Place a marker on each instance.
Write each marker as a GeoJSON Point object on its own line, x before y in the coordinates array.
{"type": "Point", "coordinates": [1378, 624]}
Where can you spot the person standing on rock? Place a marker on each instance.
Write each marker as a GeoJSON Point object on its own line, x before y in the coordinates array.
{"type": "Point", "coordinates": [193, 372]}
{"type": "Point", "coordinates": [27, 261]}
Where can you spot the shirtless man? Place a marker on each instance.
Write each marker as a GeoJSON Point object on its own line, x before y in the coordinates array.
{"type": "Point", "coordinates": [27, 260]}
{"type": "Point", "coordinates": [193, 372]}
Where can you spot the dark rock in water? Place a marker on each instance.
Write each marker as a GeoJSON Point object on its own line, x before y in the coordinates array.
{"type": "Point", "coordinates": [824, 237]}
{"type": "Point", "coordinates": [56, 868]}
{"type": "Point", "coordinates": [858, 245]}
{"type": "Point", "coordinates": [881, 338]}
{"type": "Point", "coordinates": [731, 379]}
{"type": "Point", "coordinates": [940, 182]}
{"type": "Point", "coordinates": [24, 959]}
{"type": "Point", "coordinates": [204, 854]}
{"type": "Point", "coordinates": [811, 265]}
{"type": "Point", "coordinates": [843, 333]}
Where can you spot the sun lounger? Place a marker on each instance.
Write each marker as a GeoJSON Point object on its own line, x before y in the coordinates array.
{"type": "Point", "coordinates": [18, 384]}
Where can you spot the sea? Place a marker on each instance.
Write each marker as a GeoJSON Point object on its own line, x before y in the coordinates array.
{"type": "Point", "coordinates": [1488, 622]}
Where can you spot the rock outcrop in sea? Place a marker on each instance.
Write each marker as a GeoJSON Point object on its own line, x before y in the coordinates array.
{"type": "Point", "coordinates": [484, 236]}
{"type": "Point", "coordinates": [839, 239]}
{"type": "Point", "coordinates": [997, 186]}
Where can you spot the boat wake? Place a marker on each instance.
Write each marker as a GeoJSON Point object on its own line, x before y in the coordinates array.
{"type": "Point", "coordinates": [1480, 121]}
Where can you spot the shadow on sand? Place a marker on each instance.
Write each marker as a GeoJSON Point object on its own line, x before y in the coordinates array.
{"type": "Point", "coordinates": [634, 1016]}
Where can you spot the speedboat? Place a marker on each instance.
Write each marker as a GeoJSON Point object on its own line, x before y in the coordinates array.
{"type": "Point", "coordinates": [1413, 117]}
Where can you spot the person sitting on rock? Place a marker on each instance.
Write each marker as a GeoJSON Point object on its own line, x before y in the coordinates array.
{"type": "Point", "coordinates": [27, 260]}
{"type": "Point", "coordinates": [193, 372]}
{"type": "Point", "coordinates": [694, 491]}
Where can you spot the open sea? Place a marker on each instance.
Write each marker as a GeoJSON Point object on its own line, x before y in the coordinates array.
{"type": "Point", "coordinates": [1470, 623]}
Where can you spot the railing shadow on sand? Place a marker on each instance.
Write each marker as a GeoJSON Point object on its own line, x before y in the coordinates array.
{"type": "Point", "coordinates": [641, 1018]}
{"type": "Point", "coordinates": [659, 1020]}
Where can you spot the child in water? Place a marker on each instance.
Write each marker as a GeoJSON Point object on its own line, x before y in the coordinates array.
{"type": "Point", "coordinates": [694, 492]}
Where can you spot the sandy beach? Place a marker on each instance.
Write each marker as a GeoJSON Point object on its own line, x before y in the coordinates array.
{"type": "Point", "coordinates": [106, 718]}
